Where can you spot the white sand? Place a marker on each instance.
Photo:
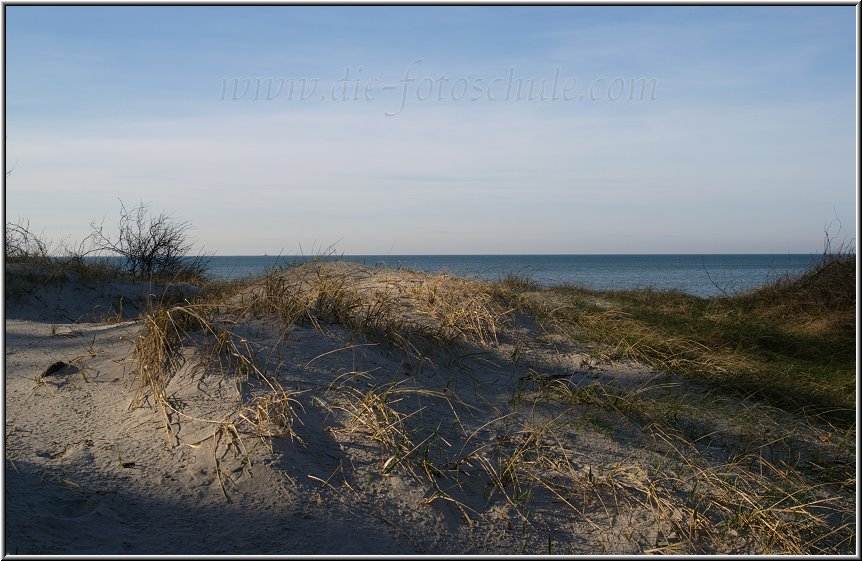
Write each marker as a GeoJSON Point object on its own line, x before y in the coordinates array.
{"type": "Point", "coordinates": [84, 474]}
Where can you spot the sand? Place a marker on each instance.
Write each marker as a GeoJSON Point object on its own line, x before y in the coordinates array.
{"type": "Point", "coordinates": [86, 473]}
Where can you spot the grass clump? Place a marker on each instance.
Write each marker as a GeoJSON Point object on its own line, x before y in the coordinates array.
{"type": "Point", "coordinates": [820, 302]}
{"type": "Point", "coordinates": [170, 335]}
{"type": "Point", "coordinates": [407, 442]}
{"type": "Point", "coordinates": [415, 314]}
{"type": "Point", "coordinates": [745, 478]}
{"type": "Point", "coordinates": [159, 350]}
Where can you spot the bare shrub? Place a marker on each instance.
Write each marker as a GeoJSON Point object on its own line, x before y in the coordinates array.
{"type": "Point", "coordinates": [151, 246]}
{"type": "Point", "coordinates": [22, 244]}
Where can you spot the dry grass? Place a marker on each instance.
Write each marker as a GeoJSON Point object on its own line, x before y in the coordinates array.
{"type": "Point", "coordinates": [160, 353]}
{"type": "Point", "coordinates": [706, 493]}
{"type": "Point", "coordinates": [748, 503]}
{"type": "Point", "coordinates": [372, 414]}
{"type": "Point", "coordinates": [791, 343]}
{"type": "Point", "coordinates": [415, 314]}
{"type": "Point", "coordinates": [745, 477]}
{"type": "Point", "coordinates": [447, 463]}
{"type": "Point", "coordinates": [408, 442]}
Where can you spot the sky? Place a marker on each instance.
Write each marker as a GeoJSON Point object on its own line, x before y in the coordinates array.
{"type": "Point", "coordinates": [438, 129]}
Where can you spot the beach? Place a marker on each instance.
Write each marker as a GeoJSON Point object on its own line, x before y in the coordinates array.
{"type": "Point", "coordinates": [293, 280]}
{"type": "Point", "coordinates": [336, 408]}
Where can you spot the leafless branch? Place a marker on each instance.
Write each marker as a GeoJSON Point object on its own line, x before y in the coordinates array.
{"type": "Point", "coordinates": [151, 245]}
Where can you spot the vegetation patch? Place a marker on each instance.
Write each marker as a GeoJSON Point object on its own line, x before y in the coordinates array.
{"type": "Point", "coordinates": [790, 343]}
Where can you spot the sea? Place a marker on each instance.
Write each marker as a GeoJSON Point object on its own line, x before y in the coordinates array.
{"type": "Point", "coordinates": [700, 275]}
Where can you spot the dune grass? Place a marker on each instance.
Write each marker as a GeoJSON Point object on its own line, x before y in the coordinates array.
{"type": "Point", "coordinates": [418, 315]}
{"type": "Point", "coordinates": [771, 472]}
{"type": "Point", "coordinates": [744, 477]}
{"type": "Point", "coordinates": [790, 343]}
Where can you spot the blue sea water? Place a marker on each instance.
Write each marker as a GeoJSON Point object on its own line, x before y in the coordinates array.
{"type": "Point", "coordinates": [700, 275]}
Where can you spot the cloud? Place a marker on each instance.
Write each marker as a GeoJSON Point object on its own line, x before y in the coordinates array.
{"type": "Point", "coordinates": [749, 142]}
{"type": "Point", "coordinates": [372, 179]}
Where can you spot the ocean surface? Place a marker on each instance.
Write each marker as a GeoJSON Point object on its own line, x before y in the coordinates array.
{"type": "Point", "coordinates": [701, 275]}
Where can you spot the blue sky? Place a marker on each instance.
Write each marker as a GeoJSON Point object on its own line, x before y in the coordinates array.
{"type": "Point", "coordinates": [668, 129]}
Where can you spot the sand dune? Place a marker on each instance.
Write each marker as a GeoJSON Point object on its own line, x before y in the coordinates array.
{"type": "Point", "coordinates": [385, 412]}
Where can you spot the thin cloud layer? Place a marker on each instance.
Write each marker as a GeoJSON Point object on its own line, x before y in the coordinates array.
{"type": "Point", "coordinates": [721, 157]}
